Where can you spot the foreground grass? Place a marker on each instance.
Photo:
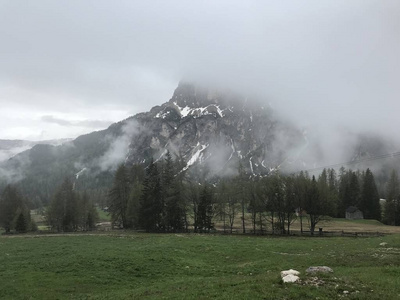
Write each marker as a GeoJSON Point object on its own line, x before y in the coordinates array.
{"type": "Point", "coordinates": [150, 266]}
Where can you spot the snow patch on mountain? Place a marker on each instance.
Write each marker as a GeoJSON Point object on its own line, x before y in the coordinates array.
{"type": "Point", "coordinates": [197, 156]}
{"type": "Point", "coordinates": [194, 111]}
{"type": "Point", "coordinates": [80, 173]}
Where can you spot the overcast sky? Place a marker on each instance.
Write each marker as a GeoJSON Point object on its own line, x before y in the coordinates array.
{"type": "Point", "coordinates": [71, 67]}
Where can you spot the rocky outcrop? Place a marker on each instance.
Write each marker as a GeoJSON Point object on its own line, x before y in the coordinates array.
{"type": "Point", "coordinates": [219, 128]}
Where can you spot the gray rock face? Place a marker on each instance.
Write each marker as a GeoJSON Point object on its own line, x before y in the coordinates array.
{"type": "Point", "coordinates": [319, 269]}
{"type": "Point", "coordinates": [214, 128]}
{"type": "Point", "coordinates": [208, 129]}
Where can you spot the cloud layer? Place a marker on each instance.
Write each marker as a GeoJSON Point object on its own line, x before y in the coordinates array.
{"type": "Point", "coordinates": [69, 67]}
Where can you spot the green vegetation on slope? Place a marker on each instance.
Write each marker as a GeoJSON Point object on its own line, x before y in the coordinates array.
{"type": "Point", "coordinates": [150, 266]}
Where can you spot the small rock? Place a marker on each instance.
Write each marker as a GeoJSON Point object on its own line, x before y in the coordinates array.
{"type": "Point", "coordinates": [322, 269]}
{"type": "Point", "coordinates": [383, 244]}
{"type": "Point", "coordinates": [290, 278]}
{"type": "Point", "coordinates": [345, 292]}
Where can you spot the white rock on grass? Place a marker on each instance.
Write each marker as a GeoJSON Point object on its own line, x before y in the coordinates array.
{"type": "Point", "coordinates": [289, 276]}
{"type": "Point", "coordinates": [321, 269]}
{"type": "Point", "coordinates": [383, 244]}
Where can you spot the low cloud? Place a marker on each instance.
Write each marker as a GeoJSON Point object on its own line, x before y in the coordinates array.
{"type": "Point", "coordinates": [119, 146]}
{"type": "Point", "coordinates": [85, 123]}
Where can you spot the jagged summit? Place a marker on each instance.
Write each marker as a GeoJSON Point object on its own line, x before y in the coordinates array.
{"type": "Point", "coordinates": [217, 127]}
{"type": "Point", "coordinates": [208, 127]}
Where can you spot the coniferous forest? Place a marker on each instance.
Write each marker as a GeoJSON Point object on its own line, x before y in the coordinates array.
{"type": "Point", "coordinates": [164, 197]}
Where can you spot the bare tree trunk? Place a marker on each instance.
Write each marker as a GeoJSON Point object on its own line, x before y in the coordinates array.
{"type": "Point", "coordinates": [243, 223]}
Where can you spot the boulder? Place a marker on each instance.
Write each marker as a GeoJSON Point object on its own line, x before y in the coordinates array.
{"type": "Point", "coordinates": [289, 276]}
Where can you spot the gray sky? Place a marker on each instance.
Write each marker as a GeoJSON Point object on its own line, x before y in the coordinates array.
{"type": "Point", "coordinates": [71, 67]}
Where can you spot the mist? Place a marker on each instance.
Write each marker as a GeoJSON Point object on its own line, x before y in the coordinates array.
{"type": "Point", "coordinates": [331, 68]}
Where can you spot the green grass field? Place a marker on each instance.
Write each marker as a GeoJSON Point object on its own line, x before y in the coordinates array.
{"type": "Point", "coordinates": [188, 266]}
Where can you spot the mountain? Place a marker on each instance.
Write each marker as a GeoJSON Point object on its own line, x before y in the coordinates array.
{"type": "Point", "coordinates": [9, 148]}
{"type": "Point", "coordinates": [213, 128]}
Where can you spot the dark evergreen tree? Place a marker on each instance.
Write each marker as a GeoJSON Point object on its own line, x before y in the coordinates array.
{"type": "Point", "coordinates": [21, 225]}
{"type": "Point", "coordinates": [333, 191]}
{"type": "Point", "coordinates": [63, 211]}
{"type": "Point", "coordinates": [369, 203]}
{"type": "Point", "coordinates": [205, 210]}
{"type": "Point", "coordinates": [12, 204]}
{"type": "Point", "coordinates": [151, 201]}
{"type": "Point", "coordinates": [391, 208]}
{"type": "Point", "coordinates": [174, 209]}
{"type": "Point", "coordinates": [353, 190]}
{"type": "Point", "coordinates": [118, 197]}
{"type": "Point", "coordinates": [342, 192]}
{"type": "Point", "coordinates": [87, 213]}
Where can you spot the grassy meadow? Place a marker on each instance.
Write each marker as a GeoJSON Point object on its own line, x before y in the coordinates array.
{"type": "Point", "coordinates": [125, 265]}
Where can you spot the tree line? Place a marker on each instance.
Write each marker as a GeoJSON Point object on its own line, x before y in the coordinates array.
{"type": "Point", "coordinates": [165, 197]}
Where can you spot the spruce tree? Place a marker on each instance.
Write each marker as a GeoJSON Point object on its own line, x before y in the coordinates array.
{"type": "Point", "coordinates": [151, 203]}
{"type": "Point", "coordinates": [63, 211]}
{"type": "Point", "coordinates": [369, 203]}
{"type": "Point", "coordinates": [205, 209]}
{"type": "Point", "coordinates": [118, 197]}
{"type": "Point", "coordinates": [21, 225]}
{"type": "Point", "coordinates": [12, 204]}
{"type": "Point", "coordinates": [392, 195]}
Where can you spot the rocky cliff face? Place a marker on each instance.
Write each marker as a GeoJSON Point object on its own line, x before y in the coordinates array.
{"type": "Point", "coordinates": [212, 128]}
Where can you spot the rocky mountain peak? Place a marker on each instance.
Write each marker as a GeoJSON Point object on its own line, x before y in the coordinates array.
{"type": "Point", "coordinates": [210, 128]}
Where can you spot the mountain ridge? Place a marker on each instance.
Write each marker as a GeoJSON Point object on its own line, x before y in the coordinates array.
{"type": "Point", "coordinates": [210, 128]}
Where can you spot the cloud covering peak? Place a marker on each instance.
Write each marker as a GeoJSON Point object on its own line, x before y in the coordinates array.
{"type": "Point", "coordinates": [322, 64]}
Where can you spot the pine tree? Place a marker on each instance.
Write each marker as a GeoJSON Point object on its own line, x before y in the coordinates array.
{"type": "Point", "coordinates": [63, 211]}
{"type": "Point", "coordinates": [21, 225]}
{"type": "Point", "coordinates": [119, 196]}
{"type": "Point", "coordinates": [369, 203]}
{"type": "Point", "coordinates": [174, 213]}
{"type": "Point", "coordinates": [87, 213]}
{"type": "Point", "coordinates": [333, 191]}
{"type": "Point", "coordinates": [392, 195]}
{"type": "Point", "coordinates": [12, 204]}
{"type": "Point", "coordinates": [205, 209]}
{"type": "Point", "coordinates": [151, 205]}
{"type": "Point", "coordinates": [275, 191]}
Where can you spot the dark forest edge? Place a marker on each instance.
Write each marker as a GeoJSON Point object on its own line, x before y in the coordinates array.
{"type": "Point", "coordinates": [159, 198]}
